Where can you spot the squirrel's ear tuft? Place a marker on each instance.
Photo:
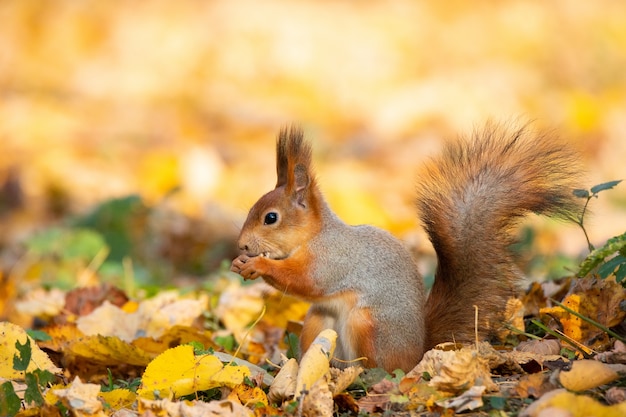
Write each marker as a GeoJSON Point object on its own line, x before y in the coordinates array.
{"type": "Point", "coordinates": [293, 159]}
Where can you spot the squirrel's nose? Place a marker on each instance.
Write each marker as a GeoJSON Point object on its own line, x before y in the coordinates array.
{"type": "Point", "coordinates": [244, 248]}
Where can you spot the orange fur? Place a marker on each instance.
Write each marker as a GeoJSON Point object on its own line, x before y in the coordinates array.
{"type": "Point", "coordinates": [364, 284]}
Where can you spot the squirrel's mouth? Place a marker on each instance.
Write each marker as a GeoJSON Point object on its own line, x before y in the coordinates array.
{"type": "Point", "coordinates": [266, 255]}
{"type": "Point", "coordinates": [270, 256]}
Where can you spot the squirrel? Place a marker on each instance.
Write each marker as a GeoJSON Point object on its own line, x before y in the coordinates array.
{"type": "Point", "coordinates": [364, 283]}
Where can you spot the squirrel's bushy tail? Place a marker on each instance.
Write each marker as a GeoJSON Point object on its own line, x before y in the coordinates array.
{"type": "Point", "coordinates": [469, 198]}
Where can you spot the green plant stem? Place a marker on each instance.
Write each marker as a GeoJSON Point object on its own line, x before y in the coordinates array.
{"type": "Point", "coordinates": [582, 226]}
{"type": "Point", "coordinates": [590, 321]}
{"type": "Point", "coordinates": [559, 336]}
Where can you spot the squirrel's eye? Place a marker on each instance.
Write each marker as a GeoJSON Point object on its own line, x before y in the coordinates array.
{"type": "Point", "coordinates": [270, 218]}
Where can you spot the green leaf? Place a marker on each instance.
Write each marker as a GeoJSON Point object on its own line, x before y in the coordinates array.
{"type": "Point", "coordinates": [120, 222]}
{"type": "Point", "coordinates": [292, 345]}
{"type": "Point", "coordinates": [227, 342]}
{"type": "Point", "coordinates": [499, 403]}
{"type": "Point", "coordinates": [604, 186]}
{"type": "Point", "coordinates": [22, 358]}
{"type": "Point", "coordinates": [581, 193]}
{"type": "Point", "coordinates": [609, 266]}
{"type": "Point", "coordinates": [620, 274]}
{"type": "Point", "coordinates": [597, 256]}
{"type": "Point", "coordinates": [10, 403]}
{"type": "Point", "coordinates": [38, 335]}
{"type": "Point", "coordinates": [33, 391]}
{"type": "Point", "coordinates": [35, 381]}
{"type": "Point", "coordinates": [66, 243]}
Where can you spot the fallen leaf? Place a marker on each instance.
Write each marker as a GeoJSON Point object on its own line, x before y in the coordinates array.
{"type": "Point", "coordinates": [106, 350]}
{"type": "Point", "coordinates": [284, 385]}
{"type": "Point", "coordinates": [174, 336]}
{"type": "Point", "coordinates": [598, 300]}
{"type": "Point", "coordinates": [41, 302]}
{"type": "Point", "coordinates": [315, 363]}
{"type": "Point", "coordinates": [81, 399]}
{"type": "Point", "coordinates": [118, 398]}
{"type": "Point", "coordinates": [225, 408]}
{"type": "Point", "coordinates": [535, 385]}
{"type": "Point", "coordinates": [151, 318]}
{"type": "Point", "coordinates": [317, 401]}
{"type": "Point", "coordinates": [587, 374]}
{"type": "Point", "coordinates": [455, 370]}
{"type": "Point", "coordinates": [250, 395]}
{"type": "Point", "coordinates": [340, 379]}
{"type": "Point", "coordinates": [177, 372]}
{"type": "Point", "coordinates": [541, 347]}
{"type": "Point", "coordinates": [513, 317]}
{"type": "Point", "coordinates": [11, 333]}
{"type": "Point", "coordinates": [469, 400]}
{"type": "Point", "coordinates": [574, 405]}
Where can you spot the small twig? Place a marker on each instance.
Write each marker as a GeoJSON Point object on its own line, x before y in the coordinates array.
{"type": "Point", "coordinates": [560, 336]}
{"type": "Point", "coordinates": [476, 324]}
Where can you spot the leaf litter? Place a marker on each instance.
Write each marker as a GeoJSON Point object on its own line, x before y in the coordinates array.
{"type": "Point", "coordinates": [165, 343]}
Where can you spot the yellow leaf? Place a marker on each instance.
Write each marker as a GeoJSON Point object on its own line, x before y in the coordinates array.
{"type": "Point", "coordinates": [571, 323]}
{"type": "Point", "coordinates": [575, 405]}
{"type": "Point", "coordinates": [11, 333]}
{"type": "Point", "coordinates": [284, 385]}
{"type": "Point", "coordinates": [315, 363]}
{"type": "Point", "coordinates": [177, 372]}
{"type": "Point", "coordinates": [108, 350]}
{"type": "Point", "coordinates": [250, 395]}
{"type": "Point", "coordinates": [587, 374]}
{"type": "Point", "coordinates": [118, 398]}
{"type": "Point", "coordinates": [174, 336]}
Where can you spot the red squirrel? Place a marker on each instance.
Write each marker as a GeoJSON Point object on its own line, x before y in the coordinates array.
{"type": "Point", "coordinates": [363, 283]}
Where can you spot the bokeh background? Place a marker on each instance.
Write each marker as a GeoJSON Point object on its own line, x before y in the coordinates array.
{"type": "Point", "coordinates": [179, 102]}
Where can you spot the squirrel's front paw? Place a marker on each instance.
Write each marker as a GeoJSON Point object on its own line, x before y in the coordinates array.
{"type": "Point", "coordinates": [246, 266]}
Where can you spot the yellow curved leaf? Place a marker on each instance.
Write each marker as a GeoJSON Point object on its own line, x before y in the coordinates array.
{"type": "Point", "coordinates": [11, 333]}
{"type": "Point", "coordinates": [118, 398]}
{"type": "Point", "coordinates": [177, 372]}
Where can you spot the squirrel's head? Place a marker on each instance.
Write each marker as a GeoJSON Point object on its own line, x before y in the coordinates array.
{"type": "Point", "coordinates": [288, 216]}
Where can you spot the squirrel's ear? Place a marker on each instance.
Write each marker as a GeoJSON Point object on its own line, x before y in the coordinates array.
{"type": "Point", "coordinates": [282, 160]}
{"type": "Point", "coordinates": [301, 183]}
{"type": "Point", "coordinates": [293, 163]}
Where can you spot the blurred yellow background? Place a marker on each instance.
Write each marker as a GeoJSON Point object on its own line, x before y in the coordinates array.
{"type": "Point", "coordinates": [103, 98]}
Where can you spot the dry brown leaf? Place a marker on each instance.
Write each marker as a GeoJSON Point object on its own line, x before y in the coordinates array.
{"type": "Point", "coordinates": [455, 370]}
{"type": "Point", "coordinates": [534, 385]}
{"type": "Point", "coordinates": [597, 299]}
{"type": "Point", "coordinates": [340, 379]}
{"type": "Point", "coordinates": [587, 374]}
{"type": "Point", "coordinates": [83, 300]}
{"type": "Point", "coordinates": [152, 317]}
{"type": "Point", "coordinates": [41, 302]}
{"type": "Point", "coordinates": [469, 400]}
{"type": "Point", "coordinates": [318, 400]}
{"type": "Point", "coordinates": [81, 399]}
{"type": "Point", "coordinates": [541, 347]}
{"type": "Point", "coordinates": [519, 362]}
{"type": "Point", "coordinates": [225, 408]}
{"type": "Point", "coordinates": [284, 385]}
{"type": "Point", "coordinates": [513, 316]}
